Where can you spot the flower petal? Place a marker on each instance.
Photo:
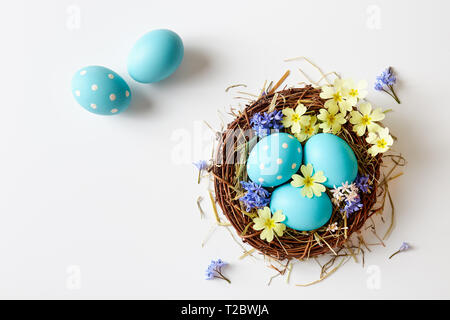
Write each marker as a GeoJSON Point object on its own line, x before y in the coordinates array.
{"type": "Point", "coordinates": [319, 177]}
{"type": "Point", "coordinates": [297, 181]}
{"type": "Point", "coordinates": [365, 108]}
{"type": "Point", "coordinates": [377, 115]}
{"type": "Point", "coordinates": [279, 229]}
{"type": "Point", "coordinates": [307, 170]}
{"type": "Point", "coordinates": [300, 110]}
{"type": "Point", "coordinates": [318, 189]}
{"type": "Point", "coordinates": [278, 216]}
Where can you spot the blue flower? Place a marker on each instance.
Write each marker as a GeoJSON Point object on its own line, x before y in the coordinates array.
{"type": "Point", "coordinates": [214, 270]}
{"type": "Point", "coordinates": [352, 206]}
{"type": "Point", "coordinates": [263, 123]}
{"type": "Point", "coordinates": [385, 82]}
{"type": "Point", "coordinates": [256, 196]}
{"type": "Point", "coordinates": [387, 77]}
{"type": "Point", "coordinates": [209, 274]}
{"type": "Point", "coordinates": [201, 165]}
{"type": "Point", "coordinates": [362, 183]}
{"type": "Point", "coordinates": [378, 86]}
{"type": "Point", "coordinates": [405, 246]}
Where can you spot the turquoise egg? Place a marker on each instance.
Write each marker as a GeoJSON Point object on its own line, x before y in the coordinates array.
{"type": "Point", "coordinates": [332, 155]}
{"type": "Point", "coordinates": [274, 159]}
{"type": "Point", "coordinates": [100, 90]}
{"type": "Point", "coordinates": [155, 56]}
{"type": "Point", "coordinates": [302, 213]}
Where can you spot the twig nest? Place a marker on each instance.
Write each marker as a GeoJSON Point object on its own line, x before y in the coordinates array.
{"type": "Point", "coordinates": [323, 225]}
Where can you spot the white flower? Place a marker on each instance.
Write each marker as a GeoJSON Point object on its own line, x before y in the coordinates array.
{"type": "Point", "coordinates": [354, 91]}
{"type": "Point", "coordinates": [381, 141]}
{"type": "Point", "coordinates": [365, 118]}
{"type": "Point", "coordinates": [352, 196]}
{"type": "Point", "coordinates": [295, 118]}
{"type": "Point", "coordinates": [310, 184]}
{"type": "Point", "coordinates": [331, 119]}
{"type": "Point", "coordinates": [338, 196]}
{"type": "Point", "coordinates": [335, 95]}
{"type": "Point", "coordinates": [333, 227]}
{"type": "Point", "coordinates": [308, 129]}
{"type": "Point", "coordinates": [269, 224]}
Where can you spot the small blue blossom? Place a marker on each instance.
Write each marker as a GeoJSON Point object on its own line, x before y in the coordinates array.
{"type": "Point", "coordinates": [256, 196]}
{"type": "Point", "coordinates": [263, 123]}
{"type": "Point", "coordinates": [385, 82]}
{"type": "Point", "coordinates": [362, 183]}
{"type": "Point", "coordinates": [378, 86]}
{"type": "Point", "coordinates": [387, 77]}
{"type": "Point", "coordinates": [201, 165]}
{"type": "Point", "coordinates": [352, 206]}
{"type": "Point", "coordinates": [214, 270]}
{"type": "Point", "coordinates": [405, 246]}
{"type": "Point", "coordinates": [209, 274]}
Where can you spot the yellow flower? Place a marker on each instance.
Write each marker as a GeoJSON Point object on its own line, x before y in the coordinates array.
{"type": "Point", "coordinates": [269, 224]}
{"type": "Point", "coordinates": [331, 119]}
{"type": "Point", "coordinates": [336, 96]}
{"type": "Point", "coordinates": [294, 119]}
{"type": "Point", "coordinates": [354, 91]}
{"type": "Point", "coordinates": [381, 141]}
{"type": "Point", "coordinates": [308, 130]}
{"type": "Point", "coordinates": [365, 118]}
{"type": "Point", "coordinates": [310, 183]}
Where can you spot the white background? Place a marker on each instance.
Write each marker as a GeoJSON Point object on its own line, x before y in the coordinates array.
{"type": "Point", "coordinates": [98, 207]}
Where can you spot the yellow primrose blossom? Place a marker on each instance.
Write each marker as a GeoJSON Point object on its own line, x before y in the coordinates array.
{"type": "Point", "coordinates": [308, 130]}
{"type": "Point", "coordinates": [269, 224]}
{"type": "Point", "coordinates": [381, 141]}
{"type": "Point", "coordinates": [365, 118]}
{"type": "Point", "coordinates": [336, 96]}
{"type": "Point", "coordinates": [294, 119]}
{"type": "Point", "coordinates": [331, 119]}
{"type": "Point", "coordinates": [354, 91]}
{"type": "Point", "coordinates": [310, 183]}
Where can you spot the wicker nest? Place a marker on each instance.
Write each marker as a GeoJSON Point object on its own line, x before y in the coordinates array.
{"type": "Point", "coordinates": [293, 244]}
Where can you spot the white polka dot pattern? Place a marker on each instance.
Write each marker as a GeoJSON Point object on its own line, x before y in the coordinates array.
{"type": "Point", "coordinates": [274, 159]}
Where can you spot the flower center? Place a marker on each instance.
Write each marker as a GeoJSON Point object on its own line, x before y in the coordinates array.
{"type": "Point", "coordinates": [331, 118]}
{"type": "Point", "coordinates": [309, 181]}
{"type": "Point", "coordinates": [353, 93]}
{"type": "Point", "coordinates": [337, 97]}
{"type": "Point", "coordinates": [366, 120]}
{"type": "Point", "coordinates": [295, 118]}
{"type": "Point", "coordinates": [309, 130]}
{"type": "Point", "coordinates": [270, 224]}
{"type": "Point", "coordinates": [381, 143]}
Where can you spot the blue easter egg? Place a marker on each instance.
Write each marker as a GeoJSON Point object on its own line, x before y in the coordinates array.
{"type": "Point", "coordinates": [274, 159]}
{"type": "Point", "coordinates": [155, 56]}
{"type": "Point", "coordinates": [332, 155]}
{"type": "Point", "coordinates": [302, 213]}
{"type": "Point", "coordinates": [101, 90]}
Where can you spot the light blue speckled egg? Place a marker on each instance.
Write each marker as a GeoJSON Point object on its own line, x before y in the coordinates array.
{"type": "Point", "coordinates": [155, 56]}
{"type": "Point", "coordinates": [274, 159]}
{"type": "Point", "coordinates": [332, 155]}
{"type": "Point", "coordinates": [100, 90]}
{"type": "Point", "coordinates": [302, 213]}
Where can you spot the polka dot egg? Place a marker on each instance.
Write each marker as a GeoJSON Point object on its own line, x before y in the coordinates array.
{"type": "Point", "coordinates": [274, 159]}
{"type": "Point", "coordinates": [100, 90]}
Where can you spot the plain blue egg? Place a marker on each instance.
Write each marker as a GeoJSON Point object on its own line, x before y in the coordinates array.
{"type": "Point", "coordinates": [101, 90]}
{"type": "Point", "coordinates": [155, 56]}
{"type": "Point", "coordinates": [332, 155]}
{"type": "Point", "coordinates": [274, 159]}
{"type": "Point", "coordinates": [302, 213]}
